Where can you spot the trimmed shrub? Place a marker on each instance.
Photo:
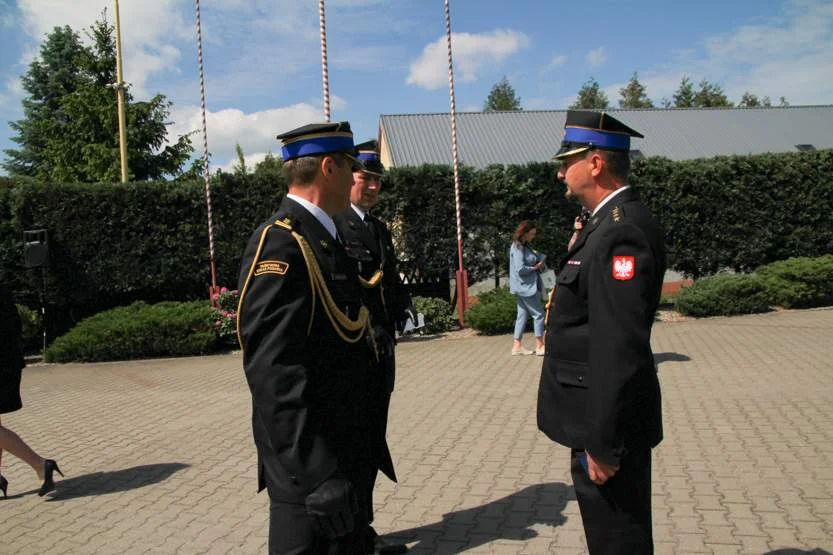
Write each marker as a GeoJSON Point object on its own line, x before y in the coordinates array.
{"type": "Point", "coordinates": [494, 313]}
{"type": "Point", "coordinates": [799, 282]}
{"type": "Point", "coordinates": [138, 331]}
{"type": "Point", "coordinates": [224, 316]}
{"type": "Point", "coordinates": [724, 295]}
{"type": "Point", "coordinates": [439, 314]}
{"type": "Point", "coordinates": [31, 328]}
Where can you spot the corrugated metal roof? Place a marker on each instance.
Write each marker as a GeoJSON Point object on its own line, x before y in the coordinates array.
{"type": "Point", "coordinates": [533, 136]}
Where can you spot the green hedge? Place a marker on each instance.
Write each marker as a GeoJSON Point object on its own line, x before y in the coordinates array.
{"type": "Point", "coordinates": [138, 331]}
{"type": "Point", "coordinates": [113, 244]}
{"type": "Point", "coordinates": [494, 313]}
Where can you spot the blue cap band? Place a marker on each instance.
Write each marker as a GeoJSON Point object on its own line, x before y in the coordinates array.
{"type": "Point", "coordinates": [368, 157]}
{"type": "Point", "coordinates": [601, 139]}
{"type": "Point", "coordinates": [316, 146]}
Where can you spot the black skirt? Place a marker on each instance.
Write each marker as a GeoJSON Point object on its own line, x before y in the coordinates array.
{"type": "Point", "coordinates": [10, 390]}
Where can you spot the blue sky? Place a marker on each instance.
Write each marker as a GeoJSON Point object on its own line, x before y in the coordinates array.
{"type": "Point", "coordinates": [263, 68]}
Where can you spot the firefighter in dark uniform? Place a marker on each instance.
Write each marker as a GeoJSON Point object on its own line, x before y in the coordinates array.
{"type": "Point", "coordinates": [599, 394]}
{"type": "Point", "coordinates": [368, 240]}
{"type": "Point", "coordinates": [308, 353]}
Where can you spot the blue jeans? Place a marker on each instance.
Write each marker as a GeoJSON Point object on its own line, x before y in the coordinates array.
{"type": "Point", "coordinates": [529, 306]}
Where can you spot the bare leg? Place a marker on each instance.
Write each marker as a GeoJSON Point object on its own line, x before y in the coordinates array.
{"type": "Point", "coordinates": [12, 443]}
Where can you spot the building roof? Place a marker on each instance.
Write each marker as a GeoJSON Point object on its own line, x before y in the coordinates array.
{"type": "Point", "coordinates": [486, 138]}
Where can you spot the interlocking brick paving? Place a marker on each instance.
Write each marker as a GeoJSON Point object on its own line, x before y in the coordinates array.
{"type": "Point", "coordinates": [158, 454]}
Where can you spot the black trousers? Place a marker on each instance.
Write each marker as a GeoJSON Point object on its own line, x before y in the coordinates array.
{"type": "Point", "coordinates": [617, 515]}
{"type": "Point", "coordinates": [293, 532]}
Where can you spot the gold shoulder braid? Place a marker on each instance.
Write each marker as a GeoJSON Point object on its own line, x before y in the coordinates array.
{"type": "Point", "coordinates": [342, 323]}
{"type": "Point", "coordinates": [372, 282]}
{"type": "Point", "coordinates": [547, 308]}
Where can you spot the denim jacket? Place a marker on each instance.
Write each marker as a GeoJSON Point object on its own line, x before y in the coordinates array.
{"type": "Point", "coordinates": [523, 280]}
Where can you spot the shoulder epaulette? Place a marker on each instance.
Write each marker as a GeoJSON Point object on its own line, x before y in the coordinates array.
{"type": "Point", "coordinates": [285, 223]}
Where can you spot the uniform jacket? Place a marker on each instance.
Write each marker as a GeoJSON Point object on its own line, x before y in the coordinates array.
{"type": "Point", "coordinates": [309, 385]}
{"type": "Point", "coordinates": [599, 389]}
{"type": "Point", "coordinates": [523, 279]}
{"type": "Point", "coordinates": [370, 243]}
{"type": "Point", "coordinates": [388, 306]}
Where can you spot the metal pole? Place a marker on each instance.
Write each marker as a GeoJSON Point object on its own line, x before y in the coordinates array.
{"type": "Point", "coordinates": [324, 74]}
{"type": "Point", "coordinates": [120, 96]}
{"type": "Point", "coordinates": [462, 275]}
{"type": "Point", "coordinates": [214, 289]}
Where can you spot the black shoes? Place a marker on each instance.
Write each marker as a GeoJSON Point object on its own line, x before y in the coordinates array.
{"type": "Point", "coordinates": [49, 467]}
{"type": "Point", "coordinates": [377, 545]}
{"type": "Point", "coordinates": [4, 484]}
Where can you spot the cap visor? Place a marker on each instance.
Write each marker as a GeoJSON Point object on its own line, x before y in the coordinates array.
{"type": "Point", "coordinates": [569, 151]}
{"type": "Point", "coordinates": [358, 165]}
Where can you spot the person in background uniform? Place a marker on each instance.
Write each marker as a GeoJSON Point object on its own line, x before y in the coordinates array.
{"type": "Point", "coordinates": [368, 241]}
{"type": "Point", "coordinates": [307, 353]}
{"type": "Point", "coordinates": [599, 394]}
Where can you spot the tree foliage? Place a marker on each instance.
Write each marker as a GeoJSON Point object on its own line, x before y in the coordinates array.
{"type": "Point", "coordinates": [633, 94]}
{"type": "Point", "coordinates": [591, 97]}
{"type": "Point", "coordinates": [502, 97]}
{"type": "Point", "coordinates": [69, 130]}
{"type": "Point", "coordinates": [684, 97]}
{"type": "Point", "coordinates": [749, 100]}
{"type": "Point", "coordinates": [711, 95]}
{"type": "Point", "coordinates": [239, 167]}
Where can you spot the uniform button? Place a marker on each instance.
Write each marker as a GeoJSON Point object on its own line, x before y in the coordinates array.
{"type": "Point", "coordinates": [581, 378]}
{"type": "Point", "coordinates": [294, 480]}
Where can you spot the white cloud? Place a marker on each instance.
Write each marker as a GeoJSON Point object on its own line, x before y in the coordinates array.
{"type": "Point", "coordinates": [472, 51]}
{"type": "Point", "coordinates": [255, 132]}
{"type": "Point", "coordinates": [149, 30]}
{"type": "Point", "coordinates": [251, 161]}
{"type": "Point", "coordinates": [596, 57]}
{"type": "Point", "coordinates": [557, 61]}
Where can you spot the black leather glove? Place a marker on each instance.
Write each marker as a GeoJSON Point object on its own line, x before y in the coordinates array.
{"type": "Point", "coordinates": [384, 342]}
{"type": "Point", "coordinates": [333, 504]}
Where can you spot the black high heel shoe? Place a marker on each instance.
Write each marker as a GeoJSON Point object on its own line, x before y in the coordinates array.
{"type": "Point", "coordinates": [3, 485]}
{"type": "Point", "coordinates": [49, 467]}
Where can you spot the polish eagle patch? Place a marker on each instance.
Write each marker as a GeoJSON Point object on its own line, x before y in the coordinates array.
{"type": "Point", "coordinates": [624, 267]}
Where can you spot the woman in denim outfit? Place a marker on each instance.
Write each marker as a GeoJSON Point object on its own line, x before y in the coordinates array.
{"type": "Point", "coordinates": [525, 266]}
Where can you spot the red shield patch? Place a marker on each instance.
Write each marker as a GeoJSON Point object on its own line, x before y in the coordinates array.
{"type": "Point", "coordinates": [624, 267]}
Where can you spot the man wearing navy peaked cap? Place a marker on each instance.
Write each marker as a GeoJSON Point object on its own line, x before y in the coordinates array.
{"type": "Point", "coordinates": [368, 240]}
{"type": "Point", "coordinates": [599, 393]}
{"type": "Point", "coordinates": [308, 354]}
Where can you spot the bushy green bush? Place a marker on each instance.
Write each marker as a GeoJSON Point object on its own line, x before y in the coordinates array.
{"type": "Point", "coordinates": [724, 295]}
{"type": "Point", "coordinates": [31, 329]}
{"type": "Point", "coordinates": [494, 313]}
{"type": "Point", "coordinates": [439, 314]}
{"type": "Point", "coordinates": [138, 331]}
{"type": "Point", "coordinates": [799, 282]}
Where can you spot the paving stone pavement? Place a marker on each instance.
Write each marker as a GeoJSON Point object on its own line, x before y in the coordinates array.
{"type": "Point", "coordinates": [158, 455]}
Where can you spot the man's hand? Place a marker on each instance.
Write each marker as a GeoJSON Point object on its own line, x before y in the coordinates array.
{"type": "Point", "coordinates": [333, 504]}
{"type": "Point", "coordinates": [598, 471]}
{"type": "Point", "coordinates": [538, 266]}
